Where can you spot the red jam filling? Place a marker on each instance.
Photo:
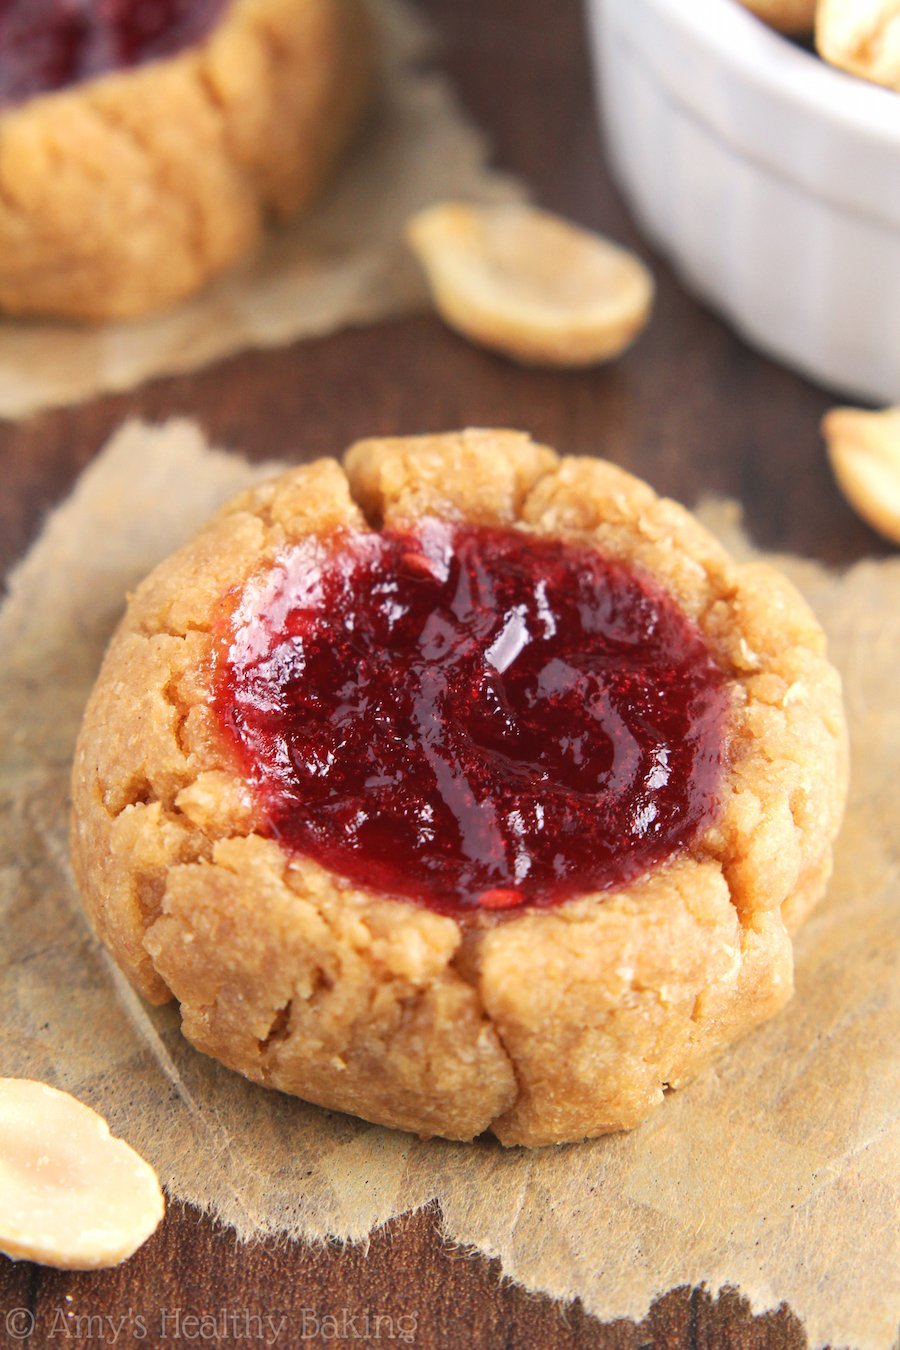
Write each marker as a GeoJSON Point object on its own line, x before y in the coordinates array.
{"type": "Point", "coordinates": [471, 718]}
{"type": "Point", "coordinates": [51, 44]}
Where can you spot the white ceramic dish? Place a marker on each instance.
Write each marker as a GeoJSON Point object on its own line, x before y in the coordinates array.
{"type": "Point", "coordinates": [771, 180]}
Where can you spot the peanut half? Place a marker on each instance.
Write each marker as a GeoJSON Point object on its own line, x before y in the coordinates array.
{"type": "Point", "coordinates": [864, 450]}
{"type": "Point", "coordinates": [529, 284]}
{"type": "Point", "coordinates": [71, 1195]}
{"type": "Point", "coordinates": [862, 36]}
{"type": "Point", "coordinates": [789, 16]}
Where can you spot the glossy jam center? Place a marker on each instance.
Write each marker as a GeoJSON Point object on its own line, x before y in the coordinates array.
{"type": "Point", "coordinates": [50, 44]}
{"type": "Point", "coordinates": [471, 718]}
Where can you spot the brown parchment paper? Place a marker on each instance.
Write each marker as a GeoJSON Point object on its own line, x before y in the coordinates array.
{"type": "Point", "coordinates": [344, 264]}
{"type": "Point", "coordinates": [777, 1171]}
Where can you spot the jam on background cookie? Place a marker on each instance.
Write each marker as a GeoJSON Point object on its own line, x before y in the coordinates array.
{"type": "Point", "coordinates": [47, 45]}
{"type": "Point", "coordinates": [461, 787]}
{"type": "Point", "coordinates": [145, 145]}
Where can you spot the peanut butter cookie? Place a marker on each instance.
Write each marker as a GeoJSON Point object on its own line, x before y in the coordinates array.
{"type": "Point", "coordinates": [461, 787]}
{"type": "Point", "coordinates": [144, 147]}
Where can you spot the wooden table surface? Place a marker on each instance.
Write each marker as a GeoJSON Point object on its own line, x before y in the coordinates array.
{"type": "Point", "coordinates": [690, 408]}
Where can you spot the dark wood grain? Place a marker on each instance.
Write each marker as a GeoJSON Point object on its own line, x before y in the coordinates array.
{"type": "Point", "coordinates": [691, 409]}
{"type": "Point", "coordinates": [408, 1278]}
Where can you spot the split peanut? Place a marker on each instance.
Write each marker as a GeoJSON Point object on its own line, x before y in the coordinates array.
{"type": "Point", "coordinates": [861, 36]}
{"type": "Point", "coordinates": [864, 450]}
{"type": "Point", "coordinates": [789, 16]}
{"type": "Point", "coordinates": [529, 284]}
{"type": "Point", "coordinates": [71, 1195]}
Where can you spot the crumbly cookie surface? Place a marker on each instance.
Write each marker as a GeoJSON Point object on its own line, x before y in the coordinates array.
{"type": "Point", "coordinates": [129, 192]}
{"type": "Point", "coordinates": [546, 1026]}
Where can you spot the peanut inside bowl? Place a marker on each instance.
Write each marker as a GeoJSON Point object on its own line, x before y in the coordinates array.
{"type": "Point", "coordinates": [789, 16]}
{"type": "Point", "coordinates": [859, 36]}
